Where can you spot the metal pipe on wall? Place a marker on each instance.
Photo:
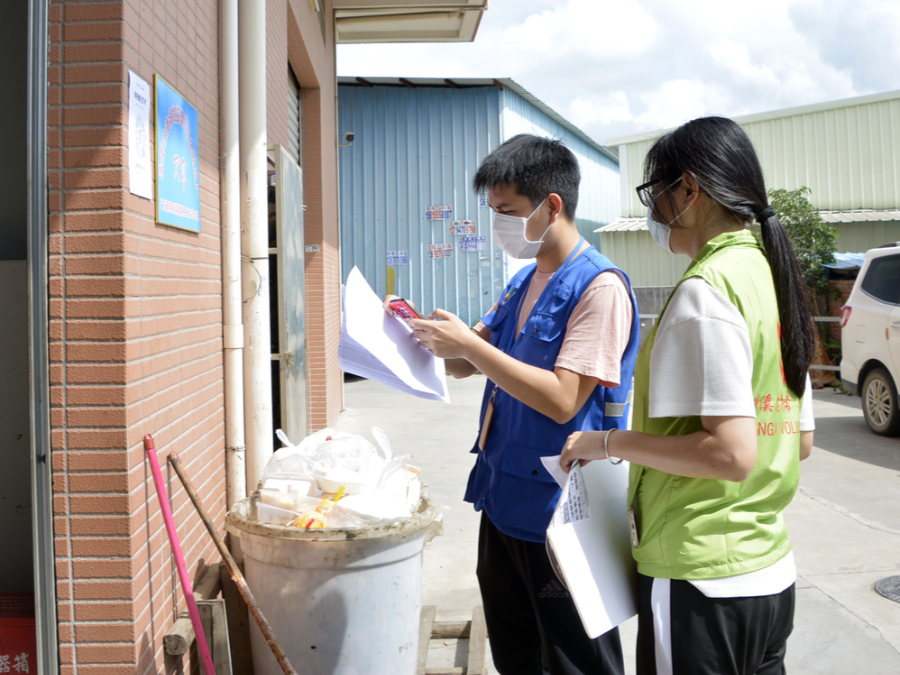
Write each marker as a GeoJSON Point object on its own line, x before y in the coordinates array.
{"type": "Point", "coordinates": [233, 329]}
{"type": "Point", "coordinates": [255, 237]}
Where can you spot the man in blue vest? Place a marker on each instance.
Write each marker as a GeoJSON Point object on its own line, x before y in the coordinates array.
{"type": "Point", "coordinates": [558, 349]}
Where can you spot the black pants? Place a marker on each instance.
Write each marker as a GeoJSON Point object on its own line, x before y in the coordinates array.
{"type": "Point", "coordinates": [532, 623]}
{"type": "Point", "coordinates": [711, 636]}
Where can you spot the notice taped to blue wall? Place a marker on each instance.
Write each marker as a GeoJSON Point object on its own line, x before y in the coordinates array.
{"type": "Point", "coordinates": [398, 257]}
{"type": "Point", "coordinates": [472, 244]}
{"type": "Point", "coordinates": [177, 159]}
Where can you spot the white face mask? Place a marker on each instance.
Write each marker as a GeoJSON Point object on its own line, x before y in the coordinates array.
{"type": "Point", "coordinates": [661, 231]}
{"type": "Point", "coordinates": [658, 231]}
{"type": "Point", "coordinates": [509, 233]}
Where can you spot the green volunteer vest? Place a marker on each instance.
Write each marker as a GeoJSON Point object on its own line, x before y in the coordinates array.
{"type": "Point", "coordinates": [695, 528]}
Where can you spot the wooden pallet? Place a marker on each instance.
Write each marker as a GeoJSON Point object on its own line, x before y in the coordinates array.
{"type": "Point", "coordinates": [475, 631]}
{"type": "Point", "coordinates": [180, 637]}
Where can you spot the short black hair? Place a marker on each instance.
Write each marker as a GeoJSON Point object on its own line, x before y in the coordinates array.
{"type": "Point", "coordinates": [536, 167]}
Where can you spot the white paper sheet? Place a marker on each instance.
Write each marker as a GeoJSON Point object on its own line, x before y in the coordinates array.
{"type": "Point", "coordinates": [140, 161]}
{"type": "Point", "coordinates": [573, 502]}
{"type": "Point", "coordinates": [382, 347]}
{"type": "Point", "coordinates": [589, 543]}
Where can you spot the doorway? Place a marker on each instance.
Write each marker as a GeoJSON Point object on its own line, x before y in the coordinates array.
{"type": "Point", "coordinates": [16, 563]}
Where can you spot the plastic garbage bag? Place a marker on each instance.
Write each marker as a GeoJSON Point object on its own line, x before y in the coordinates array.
{"type": "Point", "coordinates": [287, 501]}
{"type": "Point", "coordinates": [376, 506]}
{"type": "Point", "coordinates": [274, 515]}
{"type": "Point", "coordinates": [403, 486]}
{"type": "Point", "coordinates": [332, 460]}
{"type": "Point", "coordinates": [296, 459]}
{"type": "Point", "coordinates": [302, 486]}
{"type": "Point", "coordinates": [341, 517]}
{"type": "Point", "coordinates": [358, 483]}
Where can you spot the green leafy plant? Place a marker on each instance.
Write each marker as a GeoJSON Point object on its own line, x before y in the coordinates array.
{"type": "Point", "coordinates": [832, 348]}
{"type": "Point", "coordinates": [814, 241]}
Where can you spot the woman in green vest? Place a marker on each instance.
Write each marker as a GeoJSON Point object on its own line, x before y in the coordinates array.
{"type": "Point", "coordinates": [718, 431]}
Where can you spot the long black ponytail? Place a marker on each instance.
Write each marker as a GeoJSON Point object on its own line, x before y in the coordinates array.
{"type": "Point", "coordinates": [720, 156]}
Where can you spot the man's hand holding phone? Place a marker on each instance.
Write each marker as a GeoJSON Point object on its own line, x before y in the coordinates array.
{"type": "Point", "coordinates": [403, 308]}
{"type": "Point", "coordinates": [442, 333]}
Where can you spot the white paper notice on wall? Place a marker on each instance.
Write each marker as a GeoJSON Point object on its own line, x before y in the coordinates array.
{"type": "Point", "coordinates": [140, 157]}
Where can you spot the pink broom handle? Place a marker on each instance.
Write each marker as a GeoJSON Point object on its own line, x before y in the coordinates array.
{"type": "Point", "coordinates": [202, 647]}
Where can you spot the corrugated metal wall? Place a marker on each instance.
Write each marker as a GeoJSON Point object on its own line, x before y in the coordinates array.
{"type": "Point", "coordinates": [846, 155]}
{"type": "Point", "coordinates": [645, 263]}
{"type": "Point", "coordinates": [631, 165]}
{"type": "Point", "coordinates": [420, 147]}
{"type": "Point", "coordinates": [416, 148]}
{"type": "Point", "coordinates": [598, 195]}
{"type": "Point", "coordinates": [648, 265]}
{"type": "Point", "coordinates": [860, 237]}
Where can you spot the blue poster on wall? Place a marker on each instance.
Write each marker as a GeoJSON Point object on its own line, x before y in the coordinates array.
{"type": "Point", "coordinates": [177, 160]}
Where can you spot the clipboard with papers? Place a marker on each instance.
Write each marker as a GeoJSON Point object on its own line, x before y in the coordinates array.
{"type": "Point", "coordinates": [589, 543]}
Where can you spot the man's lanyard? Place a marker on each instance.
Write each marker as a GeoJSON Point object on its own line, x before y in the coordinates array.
{"type": "Point", "coordinates": [510, 341]}
{"type": "Point", "coordinates": [556, 275]}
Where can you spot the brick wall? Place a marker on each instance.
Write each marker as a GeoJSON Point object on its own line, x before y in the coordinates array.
{"type": "Point", "coordinates": [135, 325]}
{"type": "Point", "coordinates": [135, 332]}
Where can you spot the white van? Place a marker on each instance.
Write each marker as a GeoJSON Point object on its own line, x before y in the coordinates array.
{"type": "Point", "coordinates": [870, 339]}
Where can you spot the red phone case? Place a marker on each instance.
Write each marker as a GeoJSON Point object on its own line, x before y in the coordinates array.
{"type": "Point", "coordinates": [403, 308]}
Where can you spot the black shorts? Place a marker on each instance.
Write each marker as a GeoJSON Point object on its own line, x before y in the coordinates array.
{"type": "Point", "coordinates": [683, 632]}
{"type": "Point", "coordinates": [532, 622]}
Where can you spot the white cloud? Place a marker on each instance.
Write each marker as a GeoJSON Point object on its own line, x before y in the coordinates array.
{"type": "Point", "coordinates": [859, 36]}
{"type": "Point", "coordinates": [591, 109]}
{"type": "Point", "coordinates": [616, 67]}
{"type": "Point", "coordinates": [677, 101]}
{"type": "Point", "coordinates": [587, 29]}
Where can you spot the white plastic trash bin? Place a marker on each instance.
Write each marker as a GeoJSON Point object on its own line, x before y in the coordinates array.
{"type": "Point", "coordinates": [341, 601]}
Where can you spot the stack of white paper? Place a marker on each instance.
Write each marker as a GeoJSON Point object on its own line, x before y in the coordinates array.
{"type": "Point", "coordinates": [380, 347]}
{"type": "Point", "coordinates": [589, 543]}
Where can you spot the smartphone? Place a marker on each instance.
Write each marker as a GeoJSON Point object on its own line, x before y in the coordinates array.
{"type": "Point", "coordinates": [404, 309]}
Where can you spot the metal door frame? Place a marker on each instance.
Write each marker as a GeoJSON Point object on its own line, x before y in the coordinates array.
{"type": "Point", "coordinates": [39, 340]}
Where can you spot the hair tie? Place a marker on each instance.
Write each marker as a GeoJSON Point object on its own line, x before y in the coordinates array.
{"type": "Point", "coordinates": [763, 215]}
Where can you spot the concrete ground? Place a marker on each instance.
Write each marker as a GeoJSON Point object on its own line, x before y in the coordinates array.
{"type": "Point", "coordinates": [844, 524]}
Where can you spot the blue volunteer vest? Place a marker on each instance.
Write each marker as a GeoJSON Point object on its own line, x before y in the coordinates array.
{"type": "Point", "coordinates": [508, 480]}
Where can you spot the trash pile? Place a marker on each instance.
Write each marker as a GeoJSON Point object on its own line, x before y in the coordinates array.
{"type": "Point", "coordinates": [338, 480]}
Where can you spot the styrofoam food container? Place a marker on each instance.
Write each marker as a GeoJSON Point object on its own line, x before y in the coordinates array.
{"type": "Point", "coordinates": [273, 514]}
{"type": "Point", "coordinates": [353, 482]}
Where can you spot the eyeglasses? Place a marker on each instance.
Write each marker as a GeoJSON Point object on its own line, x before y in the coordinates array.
{"type": "Point", "coordinates": [645, 191]}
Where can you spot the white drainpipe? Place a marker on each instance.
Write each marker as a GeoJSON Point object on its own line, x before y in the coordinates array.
{"type": "Point", "coordinates": [235, 478]}
{"type": "Point", "coordinates": [255, 237]}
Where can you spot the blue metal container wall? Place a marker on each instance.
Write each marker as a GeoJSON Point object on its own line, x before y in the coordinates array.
{"type": "Point", "coordinates": [415, 148]}
{"type": "Point", "coordinates": [599, 193]}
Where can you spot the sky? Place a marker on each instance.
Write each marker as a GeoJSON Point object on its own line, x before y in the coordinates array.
{"type": "Point", "coordinates": [621, 67]}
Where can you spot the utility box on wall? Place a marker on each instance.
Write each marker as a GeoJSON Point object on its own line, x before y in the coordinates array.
{"type": "Point", "coordinates": [410, 219]}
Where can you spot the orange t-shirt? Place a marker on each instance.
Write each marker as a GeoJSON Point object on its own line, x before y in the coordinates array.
{"type": "Point", "coordinates": [597, 331]}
